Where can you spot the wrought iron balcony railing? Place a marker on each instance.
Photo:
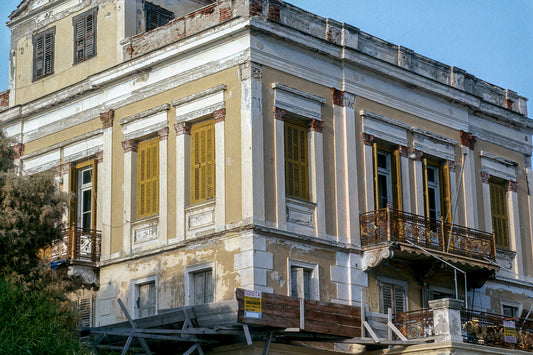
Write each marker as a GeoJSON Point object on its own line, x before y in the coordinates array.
{"type": "Point", "coordinates": [388, 225]}
{"type": "Point", "coordinates": [78, 244]}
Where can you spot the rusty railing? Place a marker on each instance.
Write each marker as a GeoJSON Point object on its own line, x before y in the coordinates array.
{"type": "Point", "coordinates": [488, 329]}
{"type": "Point", "coordinates": [78, 244]}
{"type": "Point", "coordinates": [415, 324]}
{"type": "Point", "coordinates": [388, 225]}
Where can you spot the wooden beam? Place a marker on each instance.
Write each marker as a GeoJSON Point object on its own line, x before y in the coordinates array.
{"type": "Point", "coordinates": [371, 332]}
{"type": "Point", "coordinates": [302, 314]}
{"type": "Point", "coordinates": [396, 331]}
{"type": "Point", "coordinates": [247, 334]}
{"type": "Point", "coordinates": [267, 344]}
{"type": "Point", "coordinates": [194, 347]}
{"type": "Point", "coordinates": [133, 325]}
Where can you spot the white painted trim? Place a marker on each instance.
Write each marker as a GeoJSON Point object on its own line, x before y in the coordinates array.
{"type": "Point", "coordinates": [515, 242]}
{"type": "Point", "coordinates": [384, 128]}
{"type": "Point", "coordinates": [369, 177]}
{"type": "Point", "coordinates": [163, 191]}
{"type": "Point", "coordinates": [434, 144]}
{"type": "Point", "coordinates": [279, 166]}
{"type": "Point", "coordinates": [143, 126]}
{"type": "Point", "coordinates": [418, 187]}
{"type": "Point", "coordinates": [316, 179]}
{"type": "Point", "coordinates": [314, 286]}
{"type": "Point", "coordinates": [498, 166]}
{"type": "Point", "coordinates": [469, 190]}
{"type": "Point", "coordinates": [130, 198]}
{"type": "Point", "coordinates": [297, 101]}
{"type": "Point", "coordinates": [220, 177]}
{"type": "Point", "coordinates": [183, 164]}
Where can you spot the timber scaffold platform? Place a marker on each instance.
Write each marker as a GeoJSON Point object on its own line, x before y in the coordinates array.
{"type": "Point", "coordinates": [195, 329]}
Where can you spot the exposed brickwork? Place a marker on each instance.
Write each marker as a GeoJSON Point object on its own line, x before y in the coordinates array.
{"type": "Point", "coordinates": [315, 126]}
{"type": "Point", "coordinates": [485, 177]}
{"type": "Point", "coordinates": [107, 118]}
{"type": "Point", "coordinates": [256, 7]}
{"type": "Point", "coordinates": [368, 139]}
{"type": "Point", "coordinates": [467, 139]}
{"type": "Point", "coordinates": [279, 113]}
{"type": "Point", "coordinates": [129, 146]}
{"type": "Point", "coordinates": [225, 13]}
{"type": "Point", "coordinates": [273, 11]}
{"type": "Point", "coordinates": [512, 186]}
{"type": "Point", "coordinates": [219, 115]}
{"type": "Point", "coordinates": [338, 97]}
{"type": "Point", "coordinates": [182, 128]}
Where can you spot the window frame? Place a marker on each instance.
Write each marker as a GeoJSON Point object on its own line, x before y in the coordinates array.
{"type": "Point", "coordinates": [314, 283]}
{"type": "Point", "coordinates": [75, 188]}
{"type": "Point", "coordinates": [75, 22]}
{"type": "Point", "coordinates": [151, 8]}
{"type": "Point", "coordinates": [302, 192]}
{"type": "Point", "coordinates": [35, 39]}
{"type": "Point", "coordinates": [443, 195]}
{"type": "Point", "coordinates": [207, 181]}
{"type": "Point", "coordinates": [395, 285]}
{"type": "Point", "coordinates": [190, 272]}
{"type": "Point", "coordinates": [151, 143]}
{"type": "Point", "coordinates": [136, 284]}
{"type": "Point", "coordinates": [394, 178]}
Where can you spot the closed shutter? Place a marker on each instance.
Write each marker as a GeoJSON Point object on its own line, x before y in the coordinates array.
{"type": "Point", "coordinates": [296, 165]}
{"type": "Point", "coordinates": [85, 311]}
{"type": "Point", "coordinates": [203, 173]}
{"type": "Point", "coordinates": [148, 178]}
{"type": "Point", "coordinates": [386, 298]}
{"type": "Point", "coordinates": [498, 209]}
{"type": "Point", "coordinates": [399, 300]}
{"type": "Point", "coordinates": [85, 36]}
{"type": "Point", "coordinates": [394, 297]}
{"type": "Point", "coordinates": [43, 54]}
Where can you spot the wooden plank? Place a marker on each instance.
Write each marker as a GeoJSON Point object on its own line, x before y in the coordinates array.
{"type": "Point", "coordinates": [222, 307]}
{"type": "Point", "coordinates": [396, 331]}
{"type": "Point", "coordinates": [371, 332]}
{"type": "Point", "coordinates": [328, 307]}
{"type": "Point", "coordinates": [218, 320]}
{"type": "Point", "coordinates": [332, 329]}
{"type": "Point", "coordinates": [277, 309]}
{"type": "Point", "coordinates": [332, 317]}
{"type": "Point", "coordinates": [247, 335]}
{"type": "Point", "coordinates": [271, 321]}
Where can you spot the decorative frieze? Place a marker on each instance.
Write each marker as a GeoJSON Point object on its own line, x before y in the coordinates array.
{"type": "Point", "coordinates": [273, 10]}
{"type": "Point", "coordinates": [467, 139]}
{"type": "Point", "coordinates": [315, 126]}
{"type": "Point", "coordinates": [107, 118]}
{"type": "Point", "coordinates": [130, 145]}
{"type": "Point", "coordinates": [416, 154]}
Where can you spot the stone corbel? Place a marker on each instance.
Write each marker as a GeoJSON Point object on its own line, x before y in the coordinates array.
{"type": "Point", "coordinates": [375, 256]}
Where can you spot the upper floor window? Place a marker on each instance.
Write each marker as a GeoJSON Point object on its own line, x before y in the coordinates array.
{"type": "Point", "coordinates": [84, 35]}
{"type": "Point", "coordinates": [436, 190]}
{"type": "Point", "coordinates": [83, 184]}
{"type": "Point", "coordinates": [498, 209]}
{"type": "Point", "coordinates": [203, 172]}
{"type": "Point", "coordinates": [387, 179]}
{"type": "Point", "coordinates": [296, 164]}
{"type": "Point", "coordinates": [156, 16]}
{"type": "Point", "coordinates": [148, 178]}
{"type": "Point", "coordinates": [392, 296]}
{"type": "Point", "coordinates": [43, 53]}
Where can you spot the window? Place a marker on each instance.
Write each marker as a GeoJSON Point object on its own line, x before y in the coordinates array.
{"type": "Point", "coordinates": [84, 36]}
{"type": "Point", "coordinates": [498, 209]}
{"type": "Point", "coordinates": [510, 311]}
{"type": "Point", "coordinates": [300, 281]}
{"type": "Point", "coordinates": [83, 184]}
{"type": "Point", "coordinates": [387, 179]}
{"type": "Point", "coordinates": [203, 161]}
{"type": "Point", "coordinates": [148, 178]}
{"type": "Point", "coordinates": [156, 16]}
{"type": "Point", "coordinates": [202, 286]}
{"type": "Point", "coordinates": [392, 296]}
{"type": "Point", "coordinates": [43, 53]}
{"type": "Point", "coordinates": [296, 170]}
{"type": "Point", "coordinates": [146, 299]}
{"type": "Point", "coordinates": [435, 293]}
{"type": "Point", "coordinates": [436, 190]}
{"type": "Point", "coordinates": [84, 307]}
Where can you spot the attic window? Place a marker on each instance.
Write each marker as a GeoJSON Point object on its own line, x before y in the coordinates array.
{"type": "Point", "coordinates": [43, 53]}
{"type": "Point", "coordinates": [156, 16]}
{"type": "Point", "coordinates": [84, 35]}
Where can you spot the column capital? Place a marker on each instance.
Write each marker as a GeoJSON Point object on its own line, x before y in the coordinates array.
{"type": "Point", "coordinates": [467, 139]}
{"type": "Point", "coordinates": [315, 125]}
{"type": "Point", "coordinates": [182, 128]}
{"type": "Point", "coordinates": [100, 156]}
{"type": "Point", "coordinates": [107, 118]}
{"type": "Point", "coordinates": [416, 154]}
{"type": "Point", "coordinates": [343, 98]}
{"type": "Point", "coordinates": [512, 186]}
{"type": "Point", "coordinates": [485, 177]}
{"type": "Point", "coordinates": [404, 151]}
{"type": "Point", "coordinates": [279, 113]}
{"type": "Point", "coordinates": [163, 134]}
{"type": "Point", "coordinates": [65, 168]}
{"type": "Point", "coordinates": [129, 146]}
{"type": "Point", "coordinates": [450, 164]}
{"type": "Point", "coordinates": [17, 150]}
{"type": "Point", "coordinates": [368, 139]}
{"type": "Point", "coordinates": [220, 115]}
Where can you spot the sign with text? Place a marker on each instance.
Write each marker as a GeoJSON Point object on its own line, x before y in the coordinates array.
{"type": "Point", "coordinates": [253, 304]}
{"type": "Point", "coordinates": [509, 332]}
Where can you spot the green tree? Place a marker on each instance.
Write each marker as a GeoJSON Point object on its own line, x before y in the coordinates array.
{"type": "Point", "coordinates": [35, 314]}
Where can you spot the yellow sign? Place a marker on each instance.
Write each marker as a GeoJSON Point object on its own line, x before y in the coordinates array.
{"type": "Point", "coordinates": [253, 304]}
{"type": "Point", "coordinates": [509, 332]}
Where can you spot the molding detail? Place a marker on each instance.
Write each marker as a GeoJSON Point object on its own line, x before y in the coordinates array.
{"type": "Point", "coordinates": [315, 126]}
{"type": "Point", "coordinates": [279, 113]}
{"type": "Point", "coordinates": [250, 70]}
{"type": "Point", "coordinates": [163, 134]}
{"type": "Point", "coordinates": [368, 139]}
{"type": "Point", "coordinates": [144, 114]}
{"type": "Point", "coordinates": [65, 168]}
{"type": "Point", "coordinates": [467, 139]}
{"type": "Point", "coordinates": [219, 115]}
{"type": "Point", "coordinates": [182, 128]}
{"type": "Point", "coordinates": [485, 177]}
{"type": "Point", "coordinates": [107, 118]}
{"type": "Point", "coordinates": [130, 146]}
{"type": "Point", "coordinates": [512, 186]}
{"type": "Point", "coordinates": [505, 257]}
{"type": "Point", "coordinates": [374, 257]}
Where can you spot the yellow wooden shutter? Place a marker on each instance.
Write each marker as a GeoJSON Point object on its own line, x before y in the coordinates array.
{"type": "Point", "coordinates": [148, 178]}
{"type": "Point", "coordinates": [499, 214]}
{"type": "Point", "coordinates": [397, 181]}
{"type": "Point", "coordinates": [296, 169]}
{"type": "Point", "coordinates": [445, 191]}
{"type": "Point", "coordinates": [203, 169]}
{"type": "Point", "coordinates": [73, 201]}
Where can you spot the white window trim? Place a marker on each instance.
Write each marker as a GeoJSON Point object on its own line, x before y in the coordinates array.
{"type": "Point", "coordinates": [434, 144]}
{"type": "Point", "coordinates": [192, 269]}
{"type": "Point", "coordinates": [518, 305]}
{"type": "Point", "coordinates": [135, 294]}
{"type": "Point", "coordinates": [384, 128]}
{"type": "Point", "coordinates": [314, 286]}
{"type": "Point", "coordinates": [394, 282]}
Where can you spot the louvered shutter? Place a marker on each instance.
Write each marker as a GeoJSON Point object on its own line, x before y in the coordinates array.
{"type": "Point", "coordinates": [446, 192]}
{"type": "Point", "coordinates": [148, 178]}
{"type": "Point", "coordinates": [499, 214]}
{"type": "Point", "coordinates": [296, 164]}
{"type": "Point", "coordinates": [386, 298]}
{"type": "Point", "coordinates": [84, 307]}
{"type": "Point", "coordinates": [48, 53]}
{"type": "Point", "coordinates": [399, 300]}
{"type": "Point", "coordinates": [85, 36]}
{"type": "Point", "coordinates": [203, 170]}
{"type": "Point", "coordinates": [43, 54]}
{"type": "Point", "coordinates": [209, 287]}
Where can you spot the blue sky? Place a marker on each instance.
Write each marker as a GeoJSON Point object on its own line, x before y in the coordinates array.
{"type": "Point", "coordinates": [491, 39]}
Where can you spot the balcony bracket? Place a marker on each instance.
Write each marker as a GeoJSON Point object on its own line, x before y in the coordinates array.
{"type": "Point", "coordinates": [373, 256]}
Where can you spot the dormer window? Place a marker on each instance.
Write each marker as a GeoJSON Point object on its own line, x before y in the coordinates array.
{"type": "Point", "coordinates": [156, 16]}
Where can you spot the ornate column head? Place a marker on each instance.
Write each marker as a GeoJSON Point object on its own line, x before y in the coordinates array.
{"type": "Point", "coordinates": [129, 146]}
{"type": "Point", "coordinates": [404, 151]}
{"type": "Point", "coordinates": [279, 113]}
{"type": "Point", "coordinates": [163, 134]}
{"type": "Point", "coordinates": [315, 125]}
{"type": "Point", "coordinates": [416, 154]}
{"type": "Point", "coordinates": [219, 115]}
{"type": "Point", "coordinates": [100, 156]}
{"type": "Point", "coordinates": [485, 177]}
{"type": "Point", "coordinates": [451, 165]}
{"type": "Point", "coordinates": [512, 186]}
{"type": "Point", "coordinates": [17, 150]}
{"type": "Point", "coordinates": [182, 128]}
{"type": "Point", "coordinates": [368, 139]}
{"type": "Point", "coordinates": [107, 118]}
{"type": "Point", "coordinates": [467, 139]}
{"type": "Point", "coordinates": [338, 97]}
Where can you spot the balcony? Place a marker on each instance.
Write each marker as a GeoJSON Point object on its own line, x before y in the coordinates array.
{"type": "Point", "coordinates": [386, 232]}
{"type": "Point", "coordinates": [78, 246]}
